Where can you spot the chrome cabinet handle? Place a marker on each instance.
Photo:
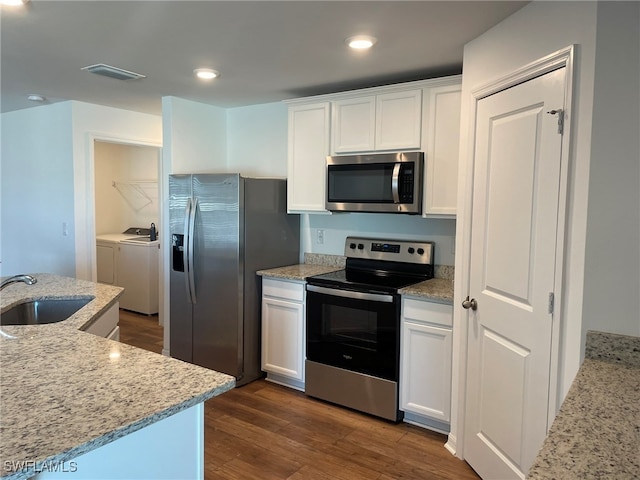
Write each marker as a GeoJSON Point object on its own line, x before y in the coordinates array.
{"type": "Point", "coordinates": [469, 303]}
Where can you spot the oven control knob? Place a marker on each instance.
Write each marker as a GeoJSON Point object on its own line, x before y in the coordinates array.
{"type": "Point", "coordinates": [352, 246]}
{"type": "Point", "coordinates": [421, 251]}
{"type": "Point", "coordinates": [360, 246]}
{"type": "Point", "coordinates": [411, 250]}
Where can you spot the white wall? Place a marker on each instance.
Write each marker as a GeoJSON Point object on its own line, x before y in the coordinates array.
{"type": "Point", "coordinates": [257, 140]}
{"type": "Point", "coordinates": [535, 31]}
{"type": "Point", "coordinates": [194, 137]}
{"type": "Point", "coordinates": [603, 171]}
{"type": "Point", "coordinates": [37, 191]}
{"type": "Point", "coordinates": [612, 252]}
{"type": "Point", "coordinates": [90, 123]}
{"type": "Point", "coordinates": [257, 146]}
{"type": "Point", "coordinates": [337, 227]}
{"type": "Point", "coordinates": [134, 200]}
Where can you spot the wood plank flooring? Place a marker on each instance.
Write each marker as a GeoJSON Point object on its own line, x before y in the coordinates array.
{"type": "Point", "coordinates": [265, 431]}
{"type": "Point", "coordinates": [142, 331]}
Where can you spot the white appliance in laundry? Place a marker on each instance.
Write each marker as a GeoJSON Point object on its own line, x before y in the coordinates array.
{"type": "Point", "coordinates": [130, 260]}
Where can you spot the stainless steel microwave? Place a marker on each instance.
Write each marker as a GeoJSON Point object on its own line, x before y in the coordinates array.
{"type": "Point", "coordinates": [382, 182]}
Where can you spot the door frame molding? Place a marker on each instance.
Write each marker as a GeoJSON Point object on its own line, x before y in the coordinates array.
{"type": "Point", "coordinates": [562, 58]}
{"type": "Point", "coordinates": [87, 219]}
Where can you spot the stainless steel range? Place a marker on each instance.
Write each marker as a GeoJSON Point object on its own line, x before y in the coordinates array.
{"type": "Point", "coordinates": [353, 324]}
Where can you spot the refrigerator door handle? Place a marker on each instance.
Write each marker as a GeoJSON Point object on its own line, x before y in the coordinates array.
{"type": "Point", "coordinates": [191, 243]}
{"type": "Point", "coordinates": [186, 247]}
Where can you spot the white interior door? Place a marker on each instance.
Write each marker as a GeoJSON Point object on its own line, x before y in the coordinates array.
{"type": "Point", "coordinates": [513, 254]}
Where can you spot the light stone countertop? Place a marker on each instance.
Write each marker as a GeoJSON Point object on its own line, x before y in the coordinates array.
{"type": "Point", "coordinates": [596, 434]}
{"type": "Point", "coordinates": [436, 290]}
{"type": "Point", "coordinates": [65, 392]}
{"type": "Point", "coordinates": [297, 272]}
{"type": "Point", "coordinates": [55, 286]}
{"type": "Point", "coordinates": [314, 264]}
{"type": "Point", "coordinates": [439, 289]}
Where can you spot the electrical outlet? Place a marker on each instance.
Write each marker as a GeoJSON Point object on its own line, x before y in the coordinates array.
{"type": "Point", "coordinates": [320, 236]}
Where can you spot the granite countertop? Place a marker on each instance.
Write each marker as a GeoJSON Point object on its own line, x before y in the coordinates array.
{"type": "Point", "coordinates": [66, 392]}
{"type": "Point", "coordinates": [436, 290]}
{"type": "Point", "coordinates": [596, 434]}
{"type": "Point", "coordinates": [297, 272]}
{"type": "Point", "coordinates": [314, 264]}
{"type": "Point", "coordinates": [54, 286]}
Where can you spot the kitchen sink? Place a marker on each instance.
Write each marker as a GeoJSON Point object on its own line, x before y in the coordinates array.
{"type": "Point", "coordinates": [39, 312]}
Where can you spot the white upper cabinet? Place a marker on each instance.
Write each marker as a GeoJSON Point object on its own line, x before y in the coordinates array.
{"type": "Point", "coordinates": [415, 116]}
{"type": "Point", "coordinates": [353, 124]}
{"type": "Point", "coordinates": [442, 150]}
{"type": "Point", "coordinates": [398, 120]}
{"type": "Point", "coordinates": [308, 150]}
{"type": "Point", "coordinates": [389, 121]}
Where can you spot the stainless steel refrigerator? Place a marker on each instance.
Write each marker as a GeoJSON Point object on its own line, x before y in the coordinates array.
{"type": "Point", "coordinates": [224, 228]}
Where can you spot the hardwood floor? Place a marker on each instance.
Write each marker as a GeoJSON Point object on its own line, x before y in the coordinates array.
{"type": "Point", "coordinates": [141, 331]}
{"type": "Point", "coordinates": [265, 431]}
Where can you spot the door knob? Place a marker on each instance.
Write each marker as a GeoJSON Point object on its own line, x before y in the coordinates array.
{"type": "Point", "coordinates": [469, 304]}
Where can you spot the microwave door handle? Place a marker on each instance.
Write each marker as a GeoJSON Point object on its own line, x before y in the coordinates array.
{"type": "Point", "coordinates": [395, 183]}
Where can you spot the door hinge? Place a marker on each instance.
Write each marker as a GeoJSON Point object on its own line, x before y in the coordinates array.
{"type": "Point", "coordinates": [551, 302]}
{"type": "Point", "coordinates": [560, 113]}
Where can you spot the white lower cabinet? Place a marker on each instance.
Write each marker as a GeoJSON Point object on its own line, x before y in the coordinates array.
{"type": "Point", "coordinates": [106, 325]}
{"type": "Point", "coordinates": [425, 363]}
{"type": "Point", "coordinates": [283, 331]}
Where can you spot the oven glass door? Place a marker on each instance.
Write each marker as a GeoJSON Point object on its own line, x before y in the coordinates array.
{"type": "Point", "coordinates": [354, 331]}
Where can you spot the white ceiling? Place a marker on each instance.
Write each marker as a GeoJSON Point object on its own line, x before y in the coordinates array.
{"type": "Point", "coordinates": [265, 51]}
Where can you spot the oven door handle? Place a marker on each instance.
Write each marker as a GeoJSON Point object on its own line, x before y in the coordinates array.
{"type": "Point", "coordinates": [374, 297]}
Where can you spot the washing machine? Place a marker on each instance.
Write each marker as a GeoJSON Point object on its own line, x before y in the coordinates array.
{"type": "Point", "coordinates": [130, 260]}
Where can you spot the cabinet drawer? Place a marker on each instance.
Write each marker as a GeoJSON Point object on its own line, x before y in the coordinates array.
{"type": "Point", "coordinates": [283, 289]}
{"type": "Point", "coordinates": [427, 312]}
{"type": "Point", "coordinates": [104, 325]}
{"type": "Point", "coordinates": [115, 334]}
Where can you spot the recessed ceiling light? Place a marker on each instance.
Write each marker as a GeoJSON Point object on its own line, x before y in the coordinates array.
{"type": "Point", "coordinates": [206, 73]}
{"type": "Point", "coordinates": [361, 42]}
{"type": "Point", "coordinates": [35, 97]}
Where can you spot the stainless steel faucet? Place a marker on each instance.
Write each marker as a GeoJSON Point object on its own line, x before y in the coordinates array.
{"type": "Point", "coordinates": [28, 279]}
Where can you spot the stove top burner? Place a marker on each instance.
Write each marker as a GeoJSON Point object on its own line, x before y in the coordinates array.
{"type": "Point", "coordinates": [380, 265]}
{"type": "Point", "coordinates": [363, 281]}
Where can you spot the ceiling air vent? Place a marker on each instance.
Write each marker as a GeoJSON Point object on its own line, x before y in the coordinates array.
{"type": "Point", "coordinates": [113, 72]}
